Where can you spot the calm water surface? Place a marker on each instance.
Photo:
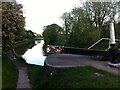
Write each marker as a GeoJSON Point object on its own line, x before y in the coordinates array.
{"type": "Point", "coordinates": [35, 54]}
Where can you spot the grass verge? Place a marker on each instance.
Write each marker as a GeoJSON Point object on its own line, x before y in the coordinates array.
{"type": "Point", "coordinates": [79, 77]}
{"type": "Point", "coordinates": [0, 72]}
{"type": "Point", "coordinates": [9, 74]}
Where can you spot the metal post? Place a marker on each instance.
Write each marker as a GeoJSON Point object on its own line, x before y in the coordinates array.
{"type": "Point", "coordinates": [112, 33]}
{"type": "Point", "coordinates": [113, 48]}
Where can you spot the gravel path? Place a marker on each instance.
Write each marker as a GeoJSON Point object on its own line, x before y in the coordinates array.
{"type": "Point", "coordinates": [23, 81]}
{"type": "Point", "coordinates": [69, 60]}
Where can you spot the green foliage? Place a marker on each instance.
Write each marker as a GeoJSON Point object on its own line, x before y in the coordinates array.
{"type": "Point", "coordinates": [85, 25]}
{"type": "Point", "coordinates": [67, 23]}
{"type": "Point", "coordinates": [52, 34]}
{"type": "Point", "coordinates": [60, 40]}
{"type": "Point", "coordinates": [82, 33]}
{"type": "Point", "coordinates": [103, 45]}
{"type": "Point", "coordinates": [22, 35]}
{"type": "Point", "coordinates": [30, 34]}
{"type": "Point", "coordinates": [25, 34]}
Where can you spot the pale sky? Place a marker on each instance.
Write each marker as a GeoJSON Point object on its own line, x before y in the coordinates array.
{"type": "Point", "coordinates": [41, 13]}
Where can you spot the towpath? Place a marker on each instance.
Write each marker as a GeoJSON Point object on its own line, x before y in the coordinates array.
{"type": "Point", "coordinates": [23, 80]}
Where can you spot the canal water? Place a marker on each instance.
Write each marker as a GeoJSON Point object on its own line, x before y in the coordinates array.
{"type": "Point", "coordinates": [35, 54]}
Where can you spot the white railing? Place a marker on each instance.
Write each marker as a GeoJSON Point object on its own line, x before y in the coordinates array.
{"type": "Point", "coordinates": [100, 41]}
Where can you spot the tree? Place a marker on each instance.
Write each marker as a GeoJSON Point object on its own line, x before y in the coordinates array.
{"type": "Point", "coordinates": [67, 24]}
{"type": "Point", "coordinates": [12, 23]}
{"type": "Point", "coordinates": [82, 33]}
{"type": "Point", "coordinates": [51, 34]}
{"type": "Point", "coordinates": [84, 25]}
{"type": "Point", "coordinates": [30, 34]}
{"type": "Point", "coordinates": [100, 12]}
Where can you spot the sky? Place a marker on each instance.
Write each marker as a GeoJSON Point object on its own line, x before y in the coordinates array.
{"type": "Point", "coordinates": [40, 13]}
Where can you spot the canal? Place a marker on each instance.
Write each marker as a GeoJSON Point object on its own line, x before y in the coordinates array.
{"type": "Point", "coordinates": [35, 55]}
{"type": "Point", "coordinates": [32, 52]}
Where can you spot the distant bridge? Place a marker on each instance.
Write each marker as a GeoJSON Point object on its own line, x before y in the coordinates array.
{"type": "Point", "coordinates": [39, 38]}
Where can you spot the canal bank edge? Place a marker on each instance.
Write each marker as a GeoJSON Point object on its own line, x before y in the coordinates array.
{"type": "Point", "coordinates": [52, 69]}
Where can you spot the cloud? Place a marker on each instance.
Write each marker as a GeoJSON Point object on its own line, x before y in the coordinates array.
{"type": "Point", "coordinates": [40, 13]}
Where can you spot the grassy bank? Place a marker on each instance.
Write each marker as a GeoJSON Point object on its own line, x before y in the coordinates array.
{"type": "Point", "coordinates": [20, 43]}
{"type": "Point", "coordinates": [0, 72]}
{"type": "Point", "coordinates": [9, 73]}
{"type": "Point", "coordinates": [9, 70]}
{"type": "Point", "coordinates": [79, 77]}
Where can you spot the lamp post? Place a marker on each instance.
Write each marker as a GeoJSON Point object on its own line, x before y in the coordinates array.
{"type": "Point", "coordinates": [113, 50]}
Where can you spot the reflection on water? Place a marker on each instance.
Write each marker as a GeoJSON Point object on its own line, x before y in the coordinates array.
{"type": "Point", "coordinates": [35, 54]}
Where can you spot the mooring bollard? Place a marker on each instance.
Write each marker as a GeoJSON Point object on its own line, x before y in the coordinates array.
{"type": "Point", "coordinates": [113, 49]}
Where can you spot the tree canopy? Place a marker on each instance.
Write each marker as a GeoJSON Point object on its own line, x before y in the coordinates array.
{"type": "Point", "coordinates": [100, 12]}
{"type": "Point", "coordinates": [53, 34]}
{"type": "Point", "coordinates": [88, 23]}
{"type": "Point", "coordinates": [84, 25]}
{"type": "Point", "coordinates": [13, 23]}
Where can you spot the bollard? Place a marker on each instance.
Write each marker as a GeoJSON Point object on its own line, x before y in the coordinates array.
{"type": "Point", "coordinates": [113, 50]}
